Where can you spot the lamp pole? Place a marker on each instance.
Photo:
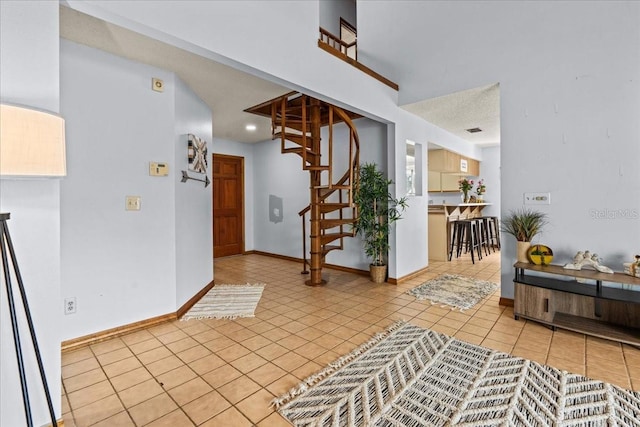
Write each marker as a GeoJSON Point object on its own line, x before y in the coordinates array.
{"type": "Point", "coordinates": [6, 252]}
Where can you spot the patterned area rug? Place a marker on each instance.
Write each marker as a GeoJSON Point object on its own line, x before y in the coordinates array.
{"type": "Point", "coordinates": [455, 291]}
{"type": "Point", "coordinates": [227, 302]}
{"type": "Point", "coordinates": [410, 376]}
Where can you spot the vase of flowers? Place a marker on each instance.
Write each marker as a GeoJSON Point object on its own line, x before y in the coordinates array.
{"type": "Point", "coordinates": [480, 190]}
{"type": "Point", "coordinates": [465, 186]}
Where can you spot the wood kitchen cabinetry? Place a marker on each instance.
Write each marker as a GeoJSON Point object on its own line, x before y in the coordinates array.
{"type": "Point", "coordinates": [447, 167]}
{"type": "Point", "coordinates": [577, 300]}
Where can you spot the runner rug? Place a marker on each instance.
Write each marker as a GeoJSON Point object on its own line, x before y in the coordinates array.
{"type": "Point", "coordinates": [227, 302]}
{"type": "Point", "coordinates": [410, 376]}
{"type": "Point", "coordinates": [455, 291]}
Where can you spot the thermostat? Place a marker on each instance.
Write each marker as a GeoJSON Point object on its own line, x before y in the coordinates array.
{"type": "Point", "coordinates": [158, 169]}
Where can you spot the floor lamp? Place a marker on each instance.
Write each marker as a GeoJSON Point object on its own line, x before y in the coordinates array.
{"type": "Point", "coordinates": [32, 144]}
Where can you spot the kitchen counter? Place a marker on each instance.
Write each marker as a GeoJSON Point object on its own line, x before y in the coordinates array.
{"type": "Point", "coordinates": [439, 228]}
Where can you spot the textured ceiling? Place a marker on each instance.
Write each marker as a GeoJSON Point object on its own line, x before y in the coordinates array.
{"type": "Point", "coordinates": [457, 112]}
{"type": "Point", "coordinates": [225, 90]}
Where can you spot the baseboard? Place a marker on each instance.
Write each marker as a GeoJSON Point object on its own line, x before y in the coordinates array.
{"type": "Point", "coordinates": [348, 269]}
{"type": "Point", "coordinates": [331, 266]}
{"type": "Point", "coordinates": [269, 254]}
{"type": "Point", "coordinates": [408, 276]}
{"type": "Point", "coordinates": [75, 343]}
{"type": "Point", "coordinates": [97, 337]}
{"type": "Point", "coordinates": [507, 302]}
{"type": "Point", "coordinates": [187, 305]}
{"type": "Point", "coordinates": [59, 423]}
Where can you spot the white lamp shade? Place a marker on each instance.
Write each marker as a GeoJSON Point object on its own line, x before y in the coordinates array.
{"type": "Point", "coordinates": [31, 143]}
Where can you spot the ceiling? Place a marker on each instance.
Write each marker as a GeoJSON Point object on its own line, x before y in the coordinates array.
{"type": "Point", "coordinates": [225, 90]}
{"type": "Point", "coordinates": [228, 91]}
{"type": "Point", "coordinates": [457, 112]}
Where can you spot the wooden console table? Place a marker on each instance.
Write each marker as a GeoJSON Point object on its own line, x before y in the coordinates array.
{"type": "Point", "coordinates": [552, 295]}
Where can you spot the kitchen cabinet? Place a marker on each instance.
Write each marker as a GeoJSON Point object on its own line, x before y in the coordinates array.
{"type": "Point", "coordinates": [443, 182]}
{"type": "Point", "coordinates": [444, 161]}
{"type": "Point", "coordinates": [447, 167]}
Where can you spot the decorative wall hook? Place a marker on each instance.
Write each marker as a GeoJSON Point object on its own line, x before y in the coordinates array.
{"type": "Point", "coordinates": [186, 177]}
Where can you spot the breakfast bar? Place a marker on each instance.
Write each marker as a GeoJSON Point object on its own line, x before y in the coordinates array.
{"type": "Point", "coordinates": [440, 217]}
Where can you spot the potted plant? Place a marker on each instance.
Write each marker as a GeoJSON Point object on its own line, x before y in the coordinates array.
{"type": "Point", "coordinates": [524, 224]}
{"type": "Point", "coordinates": [480, 190]}
{"type": "Point", "coordinates": [377, 211]}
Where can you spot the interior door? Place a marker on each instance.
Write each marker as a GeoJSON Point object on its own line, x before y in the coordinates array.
{"type": "Point", "coordinates": [228, 206]}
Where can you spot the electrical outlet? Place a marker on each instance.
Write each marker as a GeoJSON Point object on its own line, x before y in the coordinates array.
{"type": "Point", "coordinates": [70, 305]}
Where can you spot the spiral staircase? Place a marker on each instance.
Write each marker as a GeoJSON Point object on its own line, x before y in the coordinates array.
{"type": "Point", "coordinates": [297, 120]}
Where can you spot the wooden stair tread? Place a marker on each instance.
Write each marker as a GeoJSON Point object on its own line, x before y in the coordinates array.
{"type": "Point", "coordinates": [331, 222]}
{"type": "Point", "coordinates": [330, 207]}
{"type": "Point", "coordinates": [330, 237]}
{"type": "Point", "coordinates": [328, 248]}
{"type": "Point", "coordinates": [298, 150]}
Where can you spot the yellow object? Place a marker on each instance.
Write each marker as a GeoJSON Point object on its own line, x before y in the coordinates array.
{"type": "Point", "coordinates": [540, 254]}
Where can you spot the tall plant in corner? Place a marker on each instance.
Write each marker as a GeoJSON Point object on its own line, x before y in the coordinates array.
{"type": "Point", "coordinates": [377, 211]}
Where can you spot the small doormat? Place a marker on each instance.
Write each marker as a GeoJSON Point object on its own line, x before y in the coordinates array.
{"type": "Point", "coordinates": [227, 302]}
{"type": "Point", "coordinates": [410, 376]}
{"type": "Point", "coordinates": [452, 290]}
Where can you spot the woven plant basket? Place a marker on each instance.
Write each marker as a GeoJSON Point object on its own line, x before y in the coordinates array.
{"type": "Point", "coordinates": [378, 273]}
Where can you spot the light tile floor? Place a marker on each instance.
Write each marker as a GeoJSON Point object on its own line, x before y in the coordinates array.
{"type": "Point", "coordinates": [222, 373]}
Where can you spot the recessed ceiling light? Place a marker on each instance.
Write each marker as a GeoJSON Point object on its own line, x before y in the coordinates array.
{"type": "Point", "coordinates": [250, 128]}
{"type": "Point", "coordinates": [474, 130]}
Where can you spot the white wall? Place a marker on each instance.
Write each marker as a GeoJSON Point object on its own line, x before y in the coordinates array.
{"type": "Point", "coordinates": [29, 75]}
{"type": "Point", "coordinates": [332, 10]}
{"type": "Point", "coordinates": [125, 266]}
{"type": "Point", "coordinates": [193, 202]}
{"type": "Point", "coordinates": [281, 176]}
{"type": "Point", "coordinates": [570, 99]}
{"type": "Point", "coordinates": [118, 264]}
{"type": "Point", "coordinates": [233, 148]}
{"type": "Point", "coordinates": [490, 173]}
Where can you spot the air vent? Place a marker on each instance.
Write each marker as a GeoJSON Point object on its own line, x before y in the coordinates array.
{"type": "Point", "coordinates": [474, 130]}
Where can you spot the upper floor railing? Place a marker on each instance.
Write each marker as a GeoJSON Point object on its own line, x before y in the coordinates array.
{"type": "Point", "coordinates": [348, 53]}
{"type": "Point", "coordinates": [348, 49]}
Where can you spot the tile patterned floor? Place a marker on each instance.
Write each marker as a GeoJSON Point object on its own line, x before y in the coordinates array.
{"type": "Point", "coordinates": [221, 372]}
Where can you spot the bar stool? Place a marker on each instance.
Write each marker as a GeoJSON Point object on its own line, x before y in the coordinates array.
{"type": "Point", "coordinates": [492, 228]}
{"type": "Point", "coordinates": [466, 235]}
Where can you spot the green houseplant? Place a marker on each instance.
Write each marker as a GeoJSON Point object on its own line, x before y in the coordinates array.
{"type": "Point", "coordinates": [377, 211]}
{"type": "Point", "coordinates": [524, 224]}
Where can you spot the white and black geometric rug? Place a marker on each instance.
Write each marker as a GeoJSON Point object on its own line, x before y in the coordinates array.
{"type": "Point", "coordinates": [410, 376]}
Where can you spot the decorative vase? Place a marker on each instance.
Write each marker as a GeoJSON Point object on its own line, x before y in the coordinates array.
{"type": "Point", "coordinates": [523, 248]}
{"type": "Point", "coordinates": [378, 273]}
{"type": "Point", "coordinates": [465, 197]}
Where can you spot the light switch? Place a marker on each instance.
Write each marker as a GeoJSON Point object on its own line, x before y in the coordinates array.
{"type": "Point", "coordinates": [537, 198]}
{"type": "Point", "coordinates": [158, 169]}
{"type": "Point", "coordinates": [132, 203]}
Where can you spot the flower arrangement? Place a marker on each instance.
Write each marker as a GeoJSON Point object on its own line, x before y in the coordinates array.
{"type": "Point", "coordinates": [481, 188]}
{"type": "Point", "coordinates": [465, 186]}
